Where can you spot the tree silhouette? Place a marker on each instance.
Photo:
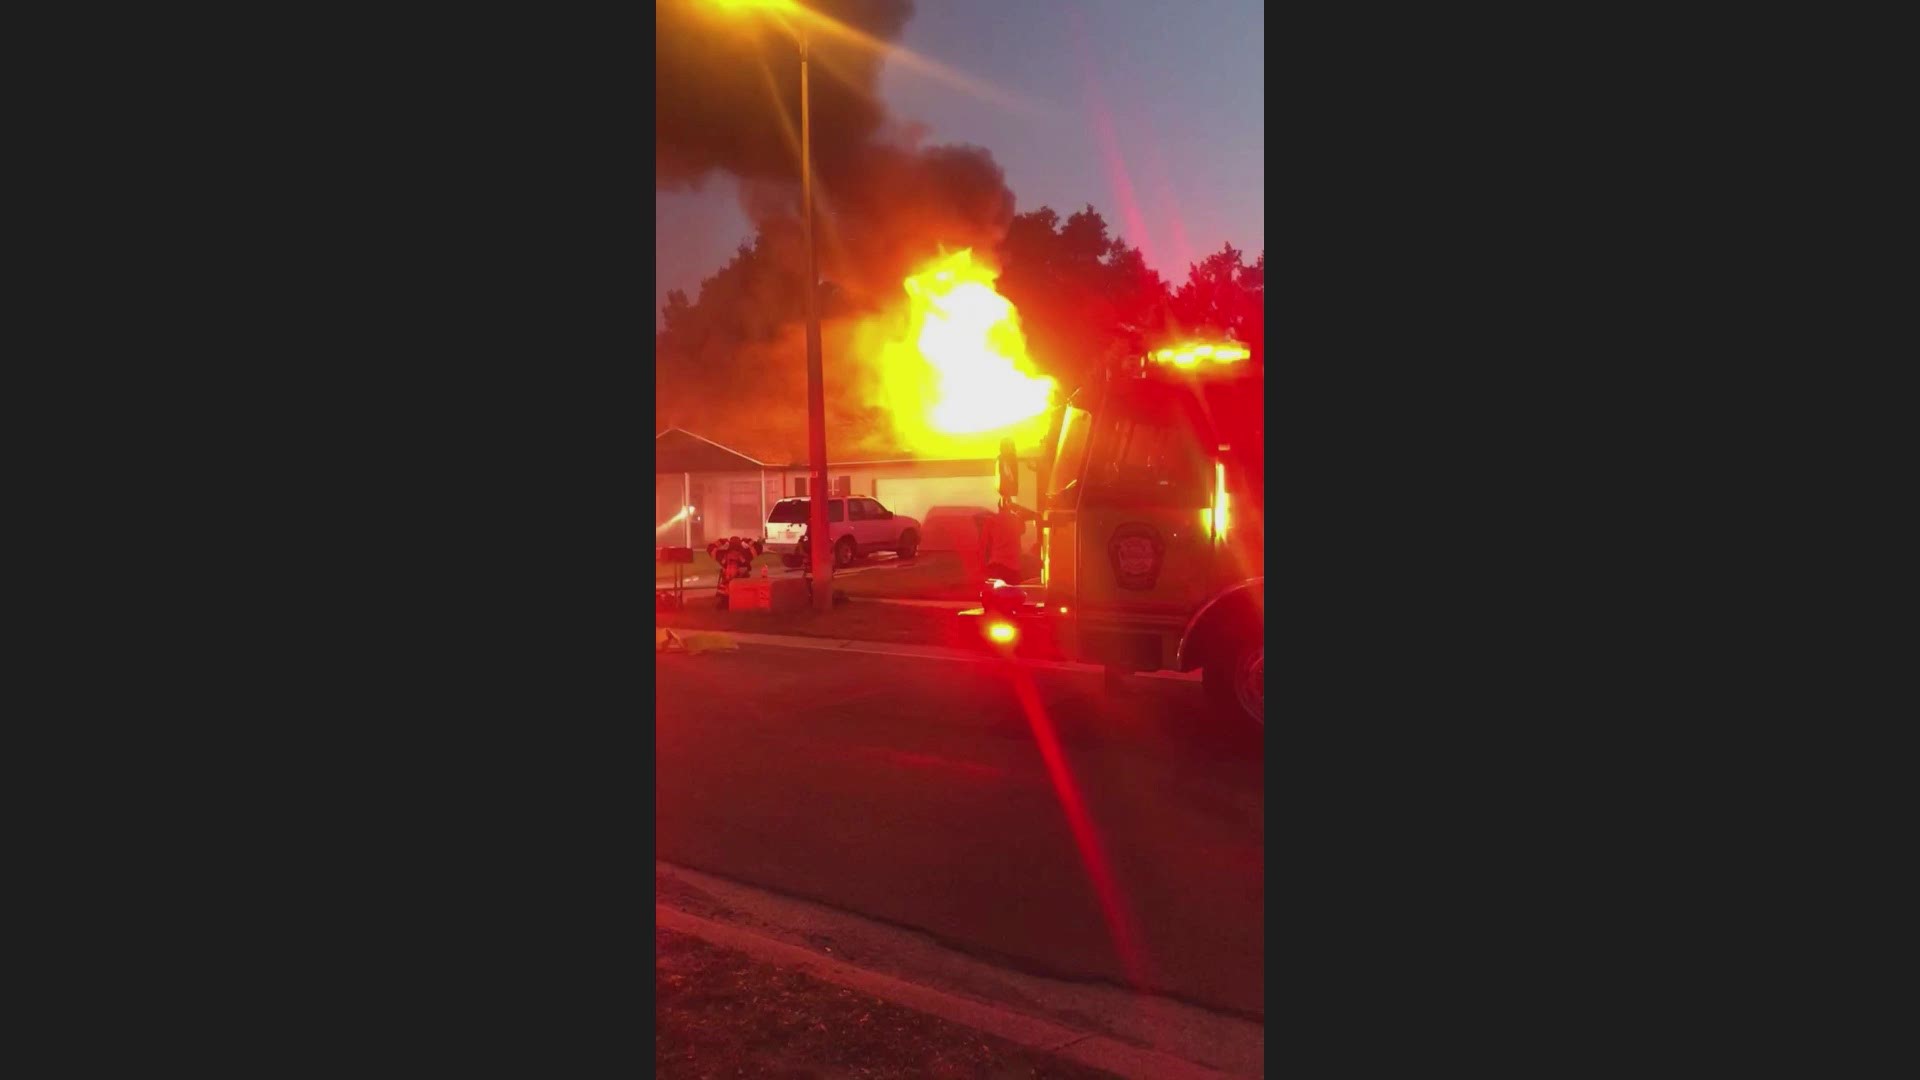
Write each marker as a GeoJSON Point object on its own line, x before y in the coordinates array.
{"type": "Point", "coordinates": [1083, 296]}
{"type": "Point", "coordinates": [1223, 296]}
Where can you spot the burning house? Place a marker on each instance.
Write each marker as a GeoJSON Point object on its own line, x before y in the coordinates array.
{"type": "Point", "coordinates": [926, 368]}
{"type": "Point", "coordinates": [729, 492]}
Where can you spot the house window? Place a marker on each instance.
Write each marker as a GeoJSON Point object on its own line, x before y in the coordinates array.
{"type": "Point", "coordinates": [743, 506]}
{"type": "Point", "coordinates": [842, 487]}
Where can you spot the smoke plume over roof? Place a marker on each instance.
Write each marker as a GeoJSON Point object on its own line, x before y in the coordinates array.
{"type": "Point", "coordinates": [885, 202]}
{"type": "Point", "coordinates": [728, 105]}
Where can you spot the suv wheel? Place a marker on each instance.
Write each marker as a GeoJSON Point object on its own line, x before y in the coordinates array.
{"type": "Point", "coordinates": [909, 543]}
{"type": "Point", "coordinates": [843, 552]}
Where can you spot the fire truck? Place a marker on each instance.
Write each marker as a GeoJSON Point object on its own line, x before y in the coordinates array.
{"type": "Point", "coordinates": [1151, 521]}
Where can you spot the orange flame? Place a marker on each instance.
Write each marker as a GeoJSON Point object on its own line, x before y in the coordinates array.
{"type": "Point", "coordinates": [961, 380]}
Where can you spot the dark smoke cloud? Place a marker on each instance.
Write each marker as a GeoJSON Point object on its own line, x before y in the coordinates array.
{"type": "Point", "coordinates": [714, 111]}
{"type": "Point", "coordinates": [883, 201]}
{"type": "Point", "coordinates": [884, 204]}
{"type": "Point", "coordinates": [892, 208]}
{"type": "Point", "coordinates": [763, 414]}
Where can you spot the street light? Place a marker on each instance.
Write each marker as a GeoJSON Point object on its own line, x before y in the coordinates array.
{"type": "Point", "coordinates": [820, 546]}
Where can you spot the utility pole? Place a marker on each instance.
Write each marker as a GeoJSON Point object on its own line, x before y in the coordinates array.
{"type": "Point", "coordinates": [817, 531]}
{"type": "Point", "coordinates": [819, 539]}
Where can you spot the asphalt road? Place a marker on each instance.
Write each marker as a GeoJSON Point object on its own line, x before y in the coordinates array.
{"type": "Point", "coordinates": [1053, 826]}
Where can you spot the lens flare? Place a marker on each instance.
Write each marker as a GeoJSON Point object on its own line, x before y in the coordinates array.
{"type": "Point", "coordinates": [1122, 926]}
{"type": "Point", "coordinates": [960, 379]}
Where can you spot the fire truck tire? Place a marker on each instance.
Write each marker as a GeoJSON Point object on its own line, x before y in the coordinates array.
{"type": "Point", "coordinates": [1236, 681]}
{"type": "Point", "coordinates": [909, 543]}
{"type": "Point", "coordinates": [843, 552]}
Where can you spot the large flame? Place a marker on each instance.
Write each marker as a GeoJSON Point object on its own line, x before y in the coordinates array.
{"type": "Point", "coordinates": [960, 380]}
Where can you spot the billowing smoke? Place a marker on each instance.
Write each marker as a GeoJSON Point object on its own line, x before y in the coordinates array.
{"type": "Point", "coordinates": [727, 86]}
{"type": "Point", "coordinates": [893, 206]}
{"type": "Point", "coordinates": [759, 406]}
{"type": "Point", "coordinates": [728, 107]}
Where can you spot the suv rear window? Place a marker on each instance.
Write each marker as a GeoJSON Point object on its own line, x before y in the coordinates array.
{"type": "Point", "coordinates": [794, 512]}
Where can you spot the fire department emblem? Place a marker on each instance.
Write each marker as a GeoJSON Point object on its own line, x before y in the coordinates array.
{"type": "Point", "coordinates": [1137, 551]}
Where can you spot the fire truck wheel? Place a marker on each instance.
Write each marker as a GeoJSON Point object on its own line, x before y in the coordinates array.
{"type": "Point", "coordinates": [843, 552]}
{"type": "Point", "coordinates": [1236, 681]}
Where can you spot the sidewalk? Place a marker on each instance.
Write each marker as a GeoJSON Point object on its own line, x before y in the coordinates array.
{"type": "Point", "coordinates": [865, 619]}
{"type": "Point", "coordinates": [722, 1013]}
{"type": "Point", "coordinates": [709, 576]}
{"type": "Point", "coordinates": [704, 592]}
{"type": "Point", "coordinates": [1092, 1025]}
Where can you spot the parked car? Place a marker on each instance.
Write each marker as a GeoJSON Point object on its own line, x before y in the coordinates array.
{"type": "Point", "coordinates": [857, 525]}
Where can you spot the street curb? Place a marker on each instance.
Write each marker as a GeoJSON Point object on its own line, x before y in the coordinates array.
{"type": "Point", "coordinates": [705, 592]}
{"type": "Point", "coordinates": [950, 605]}
{"type": "Point", "coordinates": [1087, 1048]}
{"type": "Point", "coordinates": [938, 652]}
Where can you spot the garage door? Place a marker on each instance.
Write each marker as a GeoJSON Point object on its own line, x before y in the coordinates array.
{"type": "Point", "coordinates": [944, 505]}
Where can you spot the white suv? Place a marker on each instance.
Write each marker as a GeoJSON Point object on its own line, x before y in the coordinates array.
{"type": "Point", "coordinates": [859, 526]}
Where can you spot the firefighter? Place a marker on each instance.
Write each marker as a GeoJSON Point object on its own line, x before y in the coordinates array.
{"type": "Point", "coordinates": [1000, 544]}
{"type": "Point", "coordinates": [735, 557]}
{"type": "Point", "coordinates": [806, 564]}
{"type": "Point", "coordinates": [1000, 534]}
{"type": "Point", "coordinates": [806, 571]}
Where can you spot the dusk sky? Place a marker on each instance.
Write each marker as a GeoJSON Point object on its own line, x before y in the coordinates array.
{"type": "Point", "coordinates": [1151, 110]}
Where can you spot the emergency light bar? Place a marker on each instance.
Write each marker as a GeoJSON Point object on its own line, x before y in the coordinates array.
{"type": "Point", "coordinates": [1189, 355]}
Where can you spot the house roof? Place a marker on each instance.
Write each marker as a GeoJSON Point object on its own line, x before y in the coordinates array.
{"type": "Point", "coordinates": [679, 450]}
{"type": "Point", "coordinates": [906, 459]}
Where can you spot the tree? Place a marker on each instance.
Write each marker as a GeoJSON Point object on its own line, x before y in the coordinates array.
{"type": "Point", "coordinates": [1141, 296]}
{"type": "Point", "coordinates": [1083, 296]}
{"type": "Point", "coordinates": [1254, 280]}
{"type": "Point", "coordinates": [1223, 297]}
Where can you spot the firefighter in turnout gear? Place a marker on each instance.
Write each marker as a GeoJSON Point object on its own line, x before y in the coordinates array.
{"type": "Point", "coordinates": [1001, 533]}
{"type": "Point", "coordinates": [806, 571]}
{"type": "Point", "coordinates": [735, 557]}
